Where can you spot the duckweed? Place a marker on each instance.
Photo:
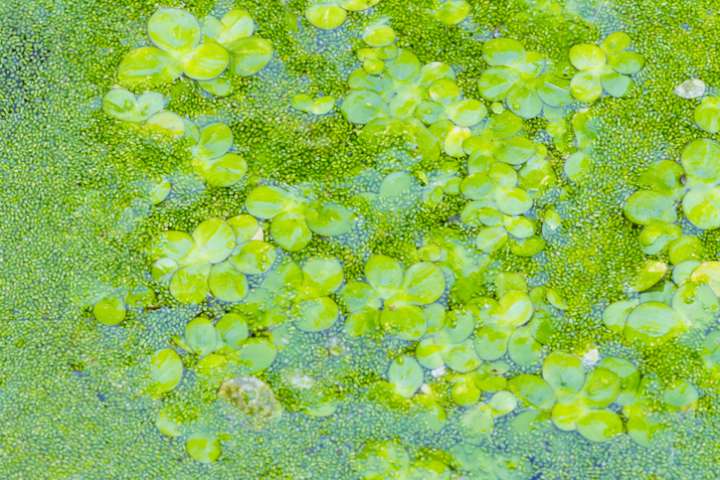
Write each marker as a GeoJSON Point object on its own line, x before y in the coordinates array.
{"type": "Point", "coordinates": [494, 259]}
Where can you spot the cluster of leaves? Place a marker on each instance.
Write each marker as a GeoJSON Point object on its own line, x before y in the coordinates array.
{"type": "Point", "coordinates": [668, 309]}
{"type": "Point", "coordinates": [474, 350]}
{"type": "Point", "coordinates": [182, 46]}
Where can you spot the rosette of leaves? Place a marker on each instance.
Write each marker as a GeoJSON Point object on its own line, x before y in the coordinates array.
{"type": "Point", "coordinates": [478, 421]}
{"type": "Point", "coordinates": [392, 297]}
{"type": "Point", "coordinates": [522, 80]}
{"type": "Point", "coordinates": [578, 161]}
{"type": "Point", "coordinates": [498, 206]}
{"type": "Point", "coordinates": [584, 398]}
{"type": "Point", "coordinates": [225, 347]}
{"type": "Point", "coordinates": [315, 310]}
{"type": "Point", "coordinates": [249, 54]}
{"type": "Point", "coordinates": [181, 46]}
{"type": "Point", "coordinates": [505, 170]}
{"type": "Point", "coordinates": [656, 202]}
{"type": "Point", "coordinates": [502, 140]}
{"type": "Point", "coordinates": [147, 109]}
{"type": "Point", "coordinates": [394, 93]}
{"type": "Point", "coordinates": [294, 219]}
{"type": "Point", "coordinates": [515, 325]}
{"type": "Point", "coordinates": [213, 159]}
{"type": "Point", "coordinates": [272, 301]}
{"type": "Point", "coordinates": [447, 341]}
{"type": "Point", "coordinates": [604, 68]}
{"type": "Point", "coordinates": [690, 302]}
{"type": "Point", "coordinates": [112, 308]}
{"type": "Point", "coordinates": [331, 14]}
{"type": "Point", "coordinates": [213, 260]}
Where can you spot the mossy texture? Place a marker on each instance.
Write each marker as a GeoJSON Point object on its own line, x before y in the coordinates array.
{"type": "Point", "coordinates": [359, 239]}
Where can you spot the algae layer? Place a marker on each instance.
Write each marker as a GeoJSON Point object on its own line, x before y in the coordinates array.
{"type": "Point", "coordinates": [360, 239]}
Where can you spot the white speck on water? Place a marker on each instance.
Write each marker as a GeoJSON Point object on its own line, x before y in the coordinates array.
{"type": "Point", "coordinates": [591, 357]}
{"type": "Point", "coordinates": [692, 88]}
{"type": "Point", "coordinates": [438, 372]}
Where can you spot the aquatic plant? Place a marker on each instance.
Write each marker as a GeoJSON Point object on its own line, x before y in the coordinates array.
{"type": "Point", "coordinates": [359, 239]}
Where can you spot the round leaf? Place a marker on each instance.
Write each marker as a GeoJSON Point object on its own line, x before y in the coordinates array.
{"type": "Point", "coordinates": [406, 375]}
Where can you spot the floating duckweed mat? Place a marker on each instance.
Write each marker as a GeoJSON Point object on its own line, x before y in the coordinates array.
{"type": "Point", "coordinates": [360, 239]}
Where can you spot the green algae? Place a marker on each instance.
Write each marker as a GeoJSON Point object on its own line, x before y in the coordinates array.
{"type": "Point", "coordinates": [69, 384]}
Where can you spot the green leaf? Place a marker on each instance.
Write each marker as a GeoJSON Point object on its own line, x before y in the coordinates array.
{"type": "Point", "coordinates": [406, 322]}
{"type": "Point", "coordinates": [700, 161]}
{"type": "Point", "coordinates": [110, 310]}
{"type": "Point", "coordinates": [627, 63]}
{"type": "Point", "coordinates": [233, 330]}
{"type": "Point", "coordinates": [423, 283]}
{"type": "Point", "coordinates": [491, 342]}
{"type": "Point", "coordinates": [707, 114]}
{"type": "Point", "coordinates": [214, 241]}
{"type": "Point", "coordinates": [174, 30]}
{"type": "Point", "coordinates": [654, 322]}
{"type": "Point", "coordinates": [601, 388]}
{"type": "Point", "coordinates": [257, 354]}
{"type": "Point", "coordinates": [251, 55]}
{"type": "Point", "coordinates": [586, 87]}
{"type": "Point", "coordinates": [206, 61]}
{"type": "Point", "coordinates": [254, 257]}
{"type": "Point", "coordinates": [266, 202]}
{"type": "Point", "coordinates": [226, 283]}
{"type": "Point", "coordinates": [190, 284]}
{"type": "Point", "coordinates": [215, 140]}
{"type": "Point", "coordinates": [385, 274]}
{"type": "Point", "coordinates": [203, 448]}
{"type": "Point", "coordinates": [452, 12]}
{"type": "Point", "coordinates": [201, 336]}
{"type": "Point", "coordinates": [503, 51]}
{"type": "Point", "coordinates": [461, 357]}
{"type": "Point", "coordinates": [323, 275]}
{"type": "Point", "coordinates": [533, 390]}
{"type": "Point", "coordinates": [329, 219]}
{"type": "Point", "coordinates": [600, 425]}
{"type": "Point", "coordinates": [524, 101]}
{"type": "Point", "coordinates": [224, 171]}
{"type": "Point", "coordinates": [166, 370]}
{"type": "Point", "coordinates": [290, 231]}
{"type": "Point", "coordinates": [586, 56]}
{"type": "Point", "coordinates": [564, 372]}
{"type": "Point", "coordinates": [362, 106]}
{"type": "Point", "coordinates": [615, 84]}
{"type": "Point", "coordinates": [406, 375]}
{"type": "Point", "coordinates": [326, 16]}
{"type": "Point", "coordinates": [644, 207]}
{"type": "Point", "coordinates": [317, 314]}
